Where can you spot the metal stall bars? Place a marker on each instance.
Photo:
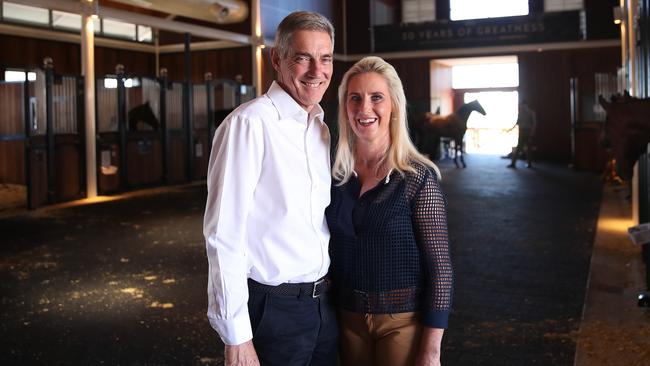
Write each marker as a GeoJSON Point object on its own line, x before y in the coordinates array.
{"type": "Point", "coordinates": [175, 134]}
{"type": "Point", "coordinates": [69, 159]}
{"type": "Point", "coordinates": [203, 104]}
{"type": "Point", "coordinates": [58, 104]}
{"type": "Point", "coordinates": [37, 182]}
{"type": "Point", "coordinates": [227, 94]}
{"type": "Point", "coordinates": [108, 145]}
{"type": "Point", "coordinates": [143, 135]}
{"type": "Point", "coordinates": [164, 135]}
{"type": "Point", "coordinates": [121, 125]}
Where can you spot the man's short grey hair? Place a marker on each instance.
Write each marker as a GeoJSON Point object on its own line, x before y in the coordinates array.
{"type": "Point", "coordinates": [297, 21]}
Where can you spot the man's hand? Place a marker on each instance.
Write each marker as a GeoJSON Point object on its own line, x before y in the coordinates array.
{"type": "Point", "coordinates": [241, 355]}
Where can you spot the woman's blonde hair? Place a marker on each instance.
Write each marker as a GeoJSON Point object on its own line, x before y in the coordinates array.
{"type": "Point", "coordinates": [401, 154]}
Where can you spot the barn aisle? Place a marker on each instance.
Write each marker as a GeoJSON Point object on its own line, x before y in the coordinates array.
{"type": "Point", "coordinates": [522, 242]}
{"type": "Point", "coordinates": [123, 282]}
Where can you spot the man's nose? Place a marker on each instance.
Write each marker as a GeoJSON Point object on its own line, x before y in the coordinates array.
{"type": "Point", "coordinates": [315, 67]}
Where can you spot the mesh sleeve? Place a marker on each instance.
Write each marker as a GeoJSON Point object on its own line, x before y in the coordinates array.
{"type": "Point", "coordinates": [430, 227]}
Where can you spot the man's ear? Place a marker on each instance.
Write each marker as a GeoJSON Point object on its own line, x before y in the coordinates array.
{"type": "Point", "coordinates": [275, 59]}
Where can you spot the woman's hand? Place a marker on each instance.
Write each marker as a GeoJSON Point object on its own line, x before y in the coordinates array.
{"type": "Point", "coordinates": [429, 353]}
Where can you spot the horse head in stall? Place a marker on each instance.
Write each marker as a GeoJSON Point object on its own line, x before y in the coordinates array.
{"type": "Point", "coordinates": [142, 113]}
{"type": "Point", "coordinates": [626, 130]}
{"type": "Point", "coordinates": [433, 126]}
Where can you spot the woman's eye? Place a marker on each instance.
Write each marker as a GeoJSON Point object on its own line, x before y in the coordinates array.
{"type": "Point", "coordinates": [377, 98]}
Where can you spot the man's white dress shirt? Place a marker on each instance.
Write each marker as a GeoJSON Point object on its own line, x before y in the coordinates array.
{"type": "Point", "coordinates": [268, 187]}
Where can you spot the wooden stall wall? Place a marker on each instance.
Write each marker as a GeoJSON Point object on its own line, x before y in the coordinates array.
{"type": "Point", "coordinates": [441, 92]}
{"type": "Point", "coordinates": [415, 75]}
{"type": "Point", "coordinates": [22, 52]}
{"type": "Point", "coordinates": [135, 63]}
{"type": "Point", "coordinates": [223, 63]}
{"type": "Point", "coordinates": [12, 125]}
{"type": "Point", "coordinates": [544, 83]}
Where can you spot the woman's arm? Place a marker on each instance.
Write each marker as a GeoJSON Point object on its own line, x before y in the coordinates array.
{"type": "Point", "coordinates": [430, 228]}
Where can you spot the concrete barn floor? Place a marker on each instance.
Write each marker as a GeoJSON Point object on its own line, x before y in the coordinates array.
{"type": "Point", "coordinates": [122, 282]}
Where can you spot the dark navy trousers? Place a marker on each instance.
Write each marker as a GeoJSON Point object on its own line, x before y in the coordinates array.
{"type": "Point", "coordinates": [293, 330]}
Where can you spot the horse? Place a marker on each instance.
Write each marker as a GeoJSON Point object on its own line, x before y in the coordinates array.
{"type": "Point", "coordinates": [627, 130]}
{"type": "Point", "coordinates": [432, 126]}
{"type": "Point", "coordinates": [142, 113]}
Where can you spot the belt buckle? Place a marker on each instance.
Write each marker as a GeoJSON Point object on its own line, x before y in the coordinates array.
{"type": "Point", "coordinates": [313, 292]}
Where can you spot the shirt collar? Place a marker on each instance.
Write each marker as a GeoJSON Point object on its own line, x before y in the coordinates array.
{"type": "Point", "coordinates": [287, 107]}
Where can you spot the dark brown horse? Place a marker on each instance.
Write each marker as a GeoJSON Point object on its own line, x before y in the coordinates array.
{"type": "Point", "coordinates": [142, 113]}
{"type": "Point", "coordinates": [431, 126]}
{"type": "Point", "coordinates": [627, 130]}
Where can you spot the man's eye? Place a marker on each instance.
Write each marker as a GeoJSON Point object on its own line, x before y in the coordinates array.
{"type": "Point", "coordinates": [327, 61]}
{"type": "Point", "coordinates": [302, 59]}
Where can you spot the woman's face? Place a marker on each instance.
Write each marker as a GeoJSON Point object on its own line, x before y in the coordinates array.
{"type": "Point", "coordinates": [368, 105]}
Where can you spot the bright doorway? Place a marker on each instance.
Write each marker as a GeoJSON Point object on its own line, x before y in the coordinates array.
{"type": "Point", "coordinates": [494, 82]}
{"type": "Point", "coordinates": [488, 134]}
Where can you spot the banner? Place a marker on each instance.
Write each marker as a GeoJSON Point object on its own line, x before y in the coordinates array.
{"type": "Point", "coordinates": [537, 28]}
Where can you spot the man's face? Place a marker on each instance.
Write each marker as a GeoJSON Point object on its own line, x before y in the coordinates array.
{"type": "Point", "coordinates": [306, 71]}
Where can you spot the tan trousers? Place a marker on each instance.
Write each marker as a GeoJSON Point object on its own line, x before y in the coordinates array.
{"type": "Point", "coordinates": [378, 339]}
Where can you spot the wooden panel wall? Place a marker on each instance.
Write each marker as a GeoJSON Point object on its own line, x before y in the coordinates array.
{"type": "Point", "coordinates": [12, 120]}
{"type": "Point", "coordinates": [224, 63]}
{"type": "Point", "coordinates": [441, 87]}
{"type": "Point", "coordinates": [12, 162]}
{"type": "Point", "coordinates": [415, 75]}
{"type": "Point", "coordinates": [600, 19]}
{"type": "Point", "coordinates": [68, 158]}
{"type": "Point", "coordinates": [67, 57]}
{"type": "Point", "coordinates": [544, 82]}
{"type": "Point", "coordinates": [135, 63]}
{"type": "Point", "coordinates": [144, 158]}
{"type": "Point", "coordinates": [358, 26]}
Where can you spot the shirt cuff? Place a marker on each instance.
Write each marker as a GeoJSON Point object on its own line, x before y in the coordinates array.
{"type": "Point", "coordinates": [435, 318]}
{"type": "Point", "coordinates": [233, 331]}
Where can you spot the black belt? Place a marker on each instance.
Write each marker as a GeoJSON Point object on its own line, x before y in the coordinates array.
{"type": "Point", "coordinates": [309, 289]}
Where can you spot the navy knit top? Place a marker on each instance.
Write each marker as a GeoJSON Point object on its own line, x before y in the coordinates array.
{"type": "Point", "coordinates": [390, 249]}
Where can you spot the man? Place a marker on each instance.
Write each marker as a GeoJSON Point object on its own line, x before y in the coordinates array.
{"type": "Point", "coordinates": [526, 120]}
{"type": "Point", "coordinates": [268, 187]}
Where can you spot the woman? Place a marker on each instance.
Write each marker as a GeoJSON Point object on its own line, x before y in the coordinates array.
{"type": "Point", "coordinates": [389, 246]}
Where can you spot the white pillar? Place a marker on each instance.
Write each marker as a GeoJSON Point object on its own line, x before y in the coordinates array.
{"type": "Point", "coordinates": [257, 45]}
{"type": "Point", "coordinates": [631, 43]}
{"type": "Point", "coordinates": [88, 70]}
{"type": "Point", "coordinates": [624, 54]}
